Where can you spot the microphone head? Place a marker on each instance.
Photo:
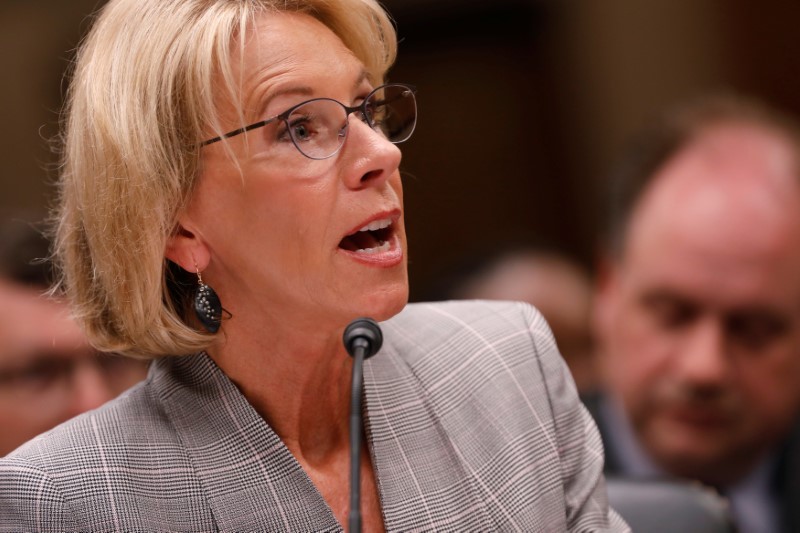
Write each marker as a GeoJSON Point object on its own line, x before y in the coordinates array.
{"type": "Point", "coordinates": [363, 332]}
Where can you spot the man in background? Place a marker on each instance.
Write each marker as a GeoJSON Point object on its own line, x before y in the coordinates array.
{"type": "Point", "coordinates": [697, 312]}
{"type": "Point", "coordinates": [48, 372]}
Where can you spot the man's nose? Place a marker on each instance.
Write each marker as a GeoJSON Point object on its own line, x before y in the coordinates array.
{"type": "Point", "coordinates": [703, 359]}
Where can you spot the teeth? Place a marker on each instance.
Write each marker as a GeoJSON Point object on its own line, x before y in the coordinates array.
{"type": "Point", "coordinates": [377, 224]}
{"type": "Point", "coordinates": [382, 247]}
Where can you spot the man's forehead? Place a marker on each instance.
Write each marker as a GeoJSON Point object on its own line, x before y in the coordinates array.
{"type": "Point", "coordinates": [732, 184]}
{"type": "Point", "coordinates": [735, 154]}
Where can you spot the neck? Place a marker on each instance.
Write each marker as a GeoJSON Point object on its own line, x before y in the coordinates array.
{"type": "Point", "coordinates": [297, 379]}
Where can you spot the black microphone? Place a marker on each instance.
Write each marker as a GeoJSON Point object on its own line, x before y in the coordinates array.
{"type": "Point", "coordinates": [362, 339]}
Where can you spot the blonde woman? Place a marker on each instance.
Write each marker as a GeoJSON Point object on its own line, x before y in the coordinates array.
{"type": "Point", "coordinates": [231, 199]}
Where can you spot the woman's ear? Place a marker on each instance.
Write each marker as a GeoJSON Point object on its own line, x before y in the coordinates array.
{"type": "Point", "coordinates": [187, 249]}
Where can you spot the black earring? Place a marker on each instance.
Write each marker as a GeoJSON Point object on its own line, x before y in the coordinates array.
{"type": "Point", "coordinates": [207, 306]}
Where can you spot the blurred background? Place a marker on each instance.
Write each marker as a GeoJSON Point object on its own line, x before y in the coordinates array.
{"type": "Point", "coordinates": [524, 104]}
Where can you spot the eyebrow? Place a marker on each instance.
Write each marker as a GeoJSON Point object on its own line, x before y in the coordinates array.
{"type": "Point", "coordinates": [305, 90]}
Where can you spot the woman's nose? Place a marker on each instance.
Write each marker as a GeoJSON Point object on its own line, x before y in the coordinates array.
{"type": "Point", "coordinates": [369, 157]}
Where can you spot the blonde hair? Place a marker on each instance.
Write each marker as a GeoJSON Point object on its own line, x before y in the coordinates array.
{"type": "Point", "coordinates": [141, 97]}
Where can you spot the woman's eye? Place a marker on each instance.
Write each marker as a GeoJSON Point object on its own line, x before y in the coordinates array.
{"type": "Point", "coordinates": [299, 128]}
{"type": "Point", "coordinates": [294, 127]}
{"type": "Point", "coordinates": [301, 131]}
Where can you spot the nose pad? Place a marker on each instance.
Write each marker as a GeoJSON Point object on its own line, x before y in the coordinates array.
{"type": "Point", "coordinates": [363, 118]}
{"type": "Point", "coordinates": [344, 131]}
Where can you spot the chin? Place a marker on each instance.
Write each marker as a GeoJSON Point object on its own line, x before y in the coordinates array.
{"type": "Point", "coordinates": [685, 451]}
{"type": "Point", "coordinates": [713, 464]}
{"type": "Point", "coordinates": [384, 303]}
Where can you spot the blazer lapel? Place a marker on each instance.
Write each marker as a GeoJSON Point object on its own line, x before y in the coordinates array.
{"type": "Point", "coordinates": [252, 481]}
{"type": "Point", "coordinates": [420, 474]}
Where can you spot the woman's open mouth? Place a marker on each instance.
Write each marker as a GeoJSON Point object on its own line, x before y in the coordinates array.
{"type": "Point", "coordinates": [372, 238]}
{"type": "Point", "coordinates": [375, 243]}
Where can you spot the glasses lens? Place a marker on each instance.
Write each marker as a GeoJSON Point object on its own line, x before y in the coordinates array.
{"type": "Point", "coordinates": [392, 110]}
{"type": "Point", "coordinates": [318, 127]}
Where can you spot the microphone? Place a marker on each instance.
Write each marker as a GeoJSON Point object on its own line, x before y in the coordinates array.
{"type": "Point", "coordinates": [362, 339]}
{"type": "Point", "coordinates": [363, 333]}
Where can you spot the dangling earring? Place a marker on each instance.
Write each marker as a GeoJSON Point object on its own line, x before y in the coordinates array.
{"type": "Point", "coordinates": [207, 306]}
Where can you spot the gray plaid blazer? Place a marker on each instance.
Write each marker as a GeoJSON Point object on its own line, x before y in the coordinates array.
{"type": "Point", "coordinates": [472, 420]}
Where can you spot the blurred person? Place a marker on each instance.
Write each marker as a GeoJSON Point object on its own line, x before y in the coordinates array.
{"type": "Point", "coordinates": [48, 371]}
{"type": "Point", "coordinates": [230, 201]}
{"type": "Point", "coordinates": [554, 283]}
{"type": "Point", "coordinates": [698, 308]}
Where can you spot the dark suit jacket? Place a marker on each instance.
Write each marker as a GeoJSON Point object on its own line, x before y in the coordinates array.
{"type": "Point", "coordinates": [786, 484]}
{"type": "Point", "coordinates": [471, 417]}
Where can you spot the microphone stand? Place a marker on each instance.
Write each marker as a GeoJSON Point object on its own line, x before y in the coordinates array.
{"type": "Point", "coordinates": [362, 338]}
{"type": "Point", "coordinates": [354, 518]}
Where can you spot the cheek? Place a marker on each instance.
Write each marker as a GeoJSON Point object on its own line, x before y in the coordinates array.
{"type": "Point", "coordinates": [397, 188]}
{"type": "Point", "coordinates": [268, 214]}
{"type": "Point", "coordinates": [396, 184]}
{"type": "Point", "coordinates": [217, 205]}
{"type": "Point", "coordinates": [637, 354]}
{"type": "Point", "coordinates": [771, 386]}
{"type": "Point", "coordinates": [638, 363]}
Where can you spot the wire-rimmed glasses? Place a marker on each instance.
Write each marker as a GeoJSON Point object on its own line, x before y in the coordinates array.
{"type": "Point", "coordinates": [318, 127]}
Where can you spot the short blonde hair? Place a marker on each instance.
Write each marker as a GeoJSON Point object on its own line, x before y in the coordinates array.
{"type": "Point", "coordinates": [139, 101]}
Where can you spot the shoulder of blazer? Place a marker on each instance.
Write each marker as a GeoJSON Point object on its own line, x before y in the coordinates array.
{"type": "Point", "coordinates": [132, 420]}
{"type": "Point", "coordinates": [457, 339]}
{"type": "Point", "coordinates": [451, 329]}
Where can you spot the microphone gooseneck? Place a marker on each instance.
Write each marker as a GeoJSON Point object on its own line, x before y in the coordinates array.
{"type": "Point", "coordinates": [362, 339]}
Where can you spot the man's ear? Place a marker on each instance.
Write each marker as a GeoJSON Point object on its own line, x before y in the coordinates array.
{"type": "Point", "coordinates": [187, 249]}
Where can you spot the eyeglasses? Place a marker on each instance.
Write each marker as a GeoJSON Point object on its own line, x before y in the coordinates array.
{"type": "Point", "coordinates": [318, 127]}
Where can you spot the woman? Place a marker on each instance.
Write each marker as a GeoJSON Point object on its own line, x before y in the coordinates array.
{"type": "Point", "coordinates": [243, 152]}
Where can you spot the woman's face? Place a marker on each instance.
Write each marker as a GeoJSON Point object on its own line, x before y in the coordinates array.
{"type": "Point", "coordinates": [281, 230]}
